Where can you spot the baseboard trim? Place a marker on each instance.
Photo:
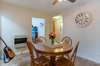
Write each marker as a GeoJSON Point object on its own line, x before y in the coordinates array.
{"type": "Point", "coordinates": [88, 59]}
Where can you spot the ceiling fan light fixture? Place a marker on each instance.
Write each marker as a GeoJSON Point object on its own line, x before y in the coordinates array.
{"type": "Point", "coordinates": [57, 1]}
{"type": "Point", "coordinates": [60, 0]}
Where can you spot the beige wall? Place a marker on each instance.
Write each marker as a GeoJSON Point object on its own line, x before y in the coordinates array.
{"type": "Point", "coordinates": [18, 21]}
{"type": "Point", "coordinates": [89, 37]}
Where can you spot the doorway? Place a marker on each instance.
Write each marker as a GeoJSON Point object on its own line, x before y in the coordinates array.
{"type": "Point", "coordinates": [58, 26]}
{"type": "Point", "coordinates": [38, 27]}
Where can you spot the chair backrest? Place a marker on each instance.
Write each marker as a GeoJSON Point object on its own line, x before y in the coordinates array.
{"type": "Point", "coordinates": [43, 39]}
{"type": "Point", "coordinates": [67, 40]}
{"type": "Point", "coordinates": [31, 49]}
{"type": "Point", "coordinates": [74, 52]}
{"type": "Point", "coordinates": [40, 39]}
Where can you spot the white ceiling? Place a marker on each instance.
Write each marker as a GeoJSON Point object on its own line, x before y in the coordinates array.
{"type": "Point", "coordinates": [41, 5]}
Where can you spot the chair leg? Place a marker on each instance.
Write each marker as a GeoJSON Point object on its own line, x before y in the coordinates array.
{"type": "Point", "coordinates": [72, 64]}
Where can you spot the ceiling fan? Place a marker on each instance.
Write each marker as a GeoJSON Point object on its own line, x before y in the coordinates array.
{"type": "Point", "coordinates": [56, 1]}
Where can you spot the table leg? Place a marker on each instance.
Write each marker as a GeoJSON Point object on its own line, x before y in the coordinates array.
{"type": "Point", "coordinates": [52, 61]}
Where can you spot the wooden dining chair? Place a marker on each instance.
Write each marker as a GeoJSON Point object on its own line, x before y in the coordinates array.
{"type": "Point", "coordinates": [70, 60]}
{"type": "Point", "coordinates": [72, 55]}
{"type": "Point", "coordinates": [38, 60]}
{"type": "Point", "coordinates": [43, 39]}
{"type": "Point", "coordinates": [40, 39]}
{"type": "Point", "coordinates": [67, 40]}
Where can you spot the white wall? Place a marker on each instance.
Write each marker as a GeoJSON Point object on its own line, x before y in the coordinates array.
{"type": "Point", "coordinates": [0, 35]}
{"type": "Point", "coordinates": [89, 37]}
{"type": "Point", "coordinates": [0, 24]}
{"type": "Point", "coordinates": [18, 21]}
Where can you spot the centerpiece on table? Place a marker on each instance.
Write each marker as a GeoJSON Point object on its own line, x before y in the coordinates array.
{"type": "Point", "coordinates": [52, 37]}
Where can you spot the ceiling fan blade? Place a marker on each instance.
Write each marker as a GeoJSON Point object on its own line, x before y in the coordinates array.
{"type": "Point", "coordinates": [54, 2]}
{"type": "Point", "coordinates": [72, 1]}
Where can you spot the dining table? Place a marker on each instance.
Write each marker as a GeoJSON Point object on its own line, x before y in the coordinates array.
{"type": "Point", "coordinates": [53, 51]}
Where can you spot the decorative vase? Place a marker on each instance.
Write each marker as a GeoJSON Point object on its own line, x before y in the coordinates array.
{"type": "Point", "coordinates": [52, 41]}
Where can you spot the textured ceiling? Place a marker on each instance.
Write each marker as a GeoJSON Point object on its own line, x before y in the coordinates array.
{"type": "Point", "coordinates": [41, 5]}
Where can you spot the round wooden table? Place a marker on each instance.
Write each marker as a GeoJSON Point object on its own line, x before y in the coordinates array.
{"type": "Point", "coordinates": [53, 51]}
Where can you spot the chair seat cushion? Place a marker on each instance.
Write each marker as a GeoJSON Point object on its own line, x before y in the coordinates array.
{"type": "Point", "coordinates": [41, 60]}
{"type": "Point", "coordinates": [62, 61]}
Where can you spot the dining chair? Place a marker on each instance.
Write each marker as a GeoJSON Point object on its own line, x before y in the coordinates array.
{"type": "Point", "coordinates": [67, 40]}
{"type": "Point", "coordinates": [70, 60]}
{"type": "Point", "coordinates": [63, 62]}
{"type": "Point", "coordinates": [72, 55]}
{"type": "Point", "coordinates": [36, 60]}
{"type": "Point", "coordinates": [40, 39]}
{"type": "Point", "coordinates": [43, 39]}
